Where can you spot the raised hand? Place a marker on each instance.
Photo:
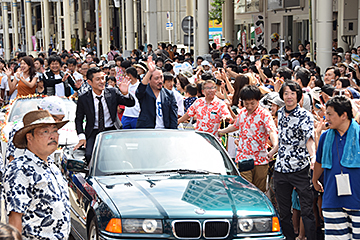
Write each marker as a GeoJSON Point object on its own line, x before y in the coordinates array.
{"type": "Point", "coordinates": [65, 77]}
{"type": "Point", "coordinates": [8, 71]}
{"type": "Point", "coordinates": [78, 83]}
{"type": "Point", "coordinates": [151, 64]}
{"type": "Point", "coordinates": [124, 86]}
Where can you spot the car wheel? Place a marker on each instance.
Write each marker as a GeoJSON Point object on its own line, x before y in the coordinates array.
{"type": "Point", "coordinates": [93, 233]}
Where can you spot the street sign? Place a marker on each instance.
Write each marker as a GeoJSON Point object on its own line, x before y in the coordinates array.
{"type": "Point", "coordinates": [169, 26]}
{"type": "Point", "coordinates": [186, 40]}
{"type": "Point", "coordinates": [187, 24]}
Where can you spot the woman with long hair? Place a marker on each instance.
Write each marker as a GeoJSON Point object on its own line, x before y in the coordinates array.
{"type": "Point", "coordinates": [25, 80]}
{"type": "Point", "coordinates": [240, 81]}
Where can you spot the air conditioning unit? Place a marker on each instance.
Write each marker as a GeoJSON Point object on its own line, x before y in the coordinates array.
{"type": "Point", "coordinates": [294, 4]}
{"type": "Point", "coordinates": [349, 13]}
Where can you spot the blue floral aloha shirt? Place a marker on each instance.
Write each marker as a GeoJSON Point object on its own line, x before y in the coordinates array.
{"type": "Point", "coordinates": [40, 193]}
{"type": "Point", "coordinates": [10, 147]}
{"type": "Point", "coordinates": [294, 132]}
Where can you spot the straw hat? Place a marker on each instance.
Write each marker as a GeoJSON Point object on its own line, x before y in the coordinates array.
{"type": "Point", "coordinates": [142, 65]}
{"type": "Point", "coordinates": [33, 120]}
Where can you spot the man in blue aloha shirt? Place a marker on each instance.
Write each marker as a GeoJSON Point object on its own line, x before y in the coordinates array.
{"type": "Point", "coordinates": [36, 194]}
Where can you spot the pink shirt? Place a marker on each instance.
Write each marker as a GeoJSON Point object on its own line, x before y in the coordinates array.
{"type": "Point", "coordinates": [208, 116]}
{"type": "Point", "coordinates": [254, 132]}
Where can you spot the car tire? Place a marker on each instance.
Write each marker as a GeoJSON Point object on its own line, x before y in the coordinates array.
{"type": "Point", "coordinates": [93, 232]}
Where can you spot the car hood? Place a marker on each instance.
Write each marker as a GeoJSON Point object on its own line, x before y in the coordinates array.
{"type": "Point", "coordinates": [184, 196]}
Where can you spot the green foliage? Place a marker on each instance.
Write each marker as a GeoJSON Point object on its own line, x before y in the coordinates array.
{"type": "Point", "coordinates": [216, 10]}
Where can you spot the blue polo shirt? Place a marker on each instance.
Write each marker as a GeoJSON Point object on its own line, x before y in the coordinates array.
{"type": "Point", "coordinates": [330, 197]}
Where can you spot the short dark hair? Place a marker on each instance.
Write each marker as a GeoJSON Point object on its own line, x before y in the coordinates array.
{"type": "Point", "coordinates": [111, 78]}
{"type": "Point", "coordinates": [168, 76]}
{"type": "Point", "coordinates": [168, 67]}
{"type": "Point", "coordinates": [345, 82]}
{"type": "Point", "coordinates": [21, 54]}
{"type": "Point", "coordinates": [54, 59]}
{"type": "Point", "coordinates": [159, 60]}
{"type": "Point", "coordinates": [132, 71]}
{"type": "Point", "coordinates": [284, 72]}
{"type": "Point", "coordinates": [294, 86]}
{"type": "Point", "coordinates": [90, 73]}
{"type": "Point", "coordinates": [336, 71]}
{"type": "Point", "coordinates": [71, 61]}
{"type": "Point", "coordinates": [341, 104]}
{"type": "Point", "coordinates": [119, 58]}
{"type": "Point", "coordinates": [250, 92]}
{"type": "Point", "coordinates": [191, 89]}
{"type": "Point", "coordinates": [125, 64]}
{"type": "Point", "coordinates": [40, 60]}
{"type": "Point", "coordinates": [304, 75]}
{"type": "Point", "coordinates": [207, 76]}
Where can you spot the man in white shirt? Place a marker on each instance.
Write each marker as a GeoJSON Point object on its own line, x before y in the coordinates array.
{"type": "Point", "coordinates": [158, 105]}
{"type": "Point", "coordinates": [131, 114]}
{"type": "Point", "coordinates": [169, 85]}
{"type": "Point", "coordinates": [99, 106]}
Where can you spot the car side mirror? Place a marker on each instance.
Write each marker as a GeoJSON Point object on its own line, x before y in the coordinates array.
{"type": "Point", "coordinates": [76, 165]}
{"type": "Point", "coordinates": [246, 165]}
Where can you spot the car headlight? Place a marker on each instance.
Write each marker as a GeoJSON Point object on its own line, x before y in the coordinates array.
{"type": "Point", "coordinates": [142, 226]}
{"type": "Point", "coordinates": [255, 225]}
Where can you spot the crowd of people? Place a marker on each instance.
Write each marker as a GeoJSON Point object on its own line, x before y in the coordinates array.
{"type": "Point", "coordinates": [301, 127]}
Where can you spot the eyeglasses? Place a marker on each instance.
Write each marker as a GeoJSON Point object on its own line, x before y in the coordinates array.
{"type": "Point", "coordinates": [209, 88]}
{"type": "Point", "coordinates": [47, 133]}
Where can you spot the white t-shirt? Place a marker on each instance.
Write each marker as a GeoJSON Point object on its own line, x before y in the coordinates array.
{"type": "Point", "coordinates": [5, 85]}
{"type": "Point", "coordinates": [59, 88]}
{"type": "Point", "coordinates": [159, 122]}
{"type": "Point", "coordinates": [180, 102]}
{"type": "Point", "coordinates": [135, 110]}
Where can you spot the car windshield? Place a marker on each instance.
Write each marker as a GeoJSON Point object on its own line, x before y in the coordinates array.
{"type": "Point", "coordinates": [136, 152]}
{"type": "Point", "coordinates": [24, 105]}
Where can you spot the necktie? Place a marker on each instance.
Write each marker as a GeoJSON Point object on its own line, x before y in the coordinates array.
{"type": "Point", "coordinates": [101, 125]}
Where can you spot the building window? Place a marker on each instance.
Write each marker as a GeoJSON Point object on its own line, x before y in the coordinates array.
{"type": "Point", "coordinates": [246, 6]}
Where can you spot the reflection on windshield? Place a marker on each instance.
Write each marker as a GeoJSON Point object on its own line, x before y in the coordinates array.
{"type": "Point", "coordinates": [23, 106]}
{"type": "Point", "coordinates": [147, 151]}
{"type": "Point", "coordinates": [211, 193]}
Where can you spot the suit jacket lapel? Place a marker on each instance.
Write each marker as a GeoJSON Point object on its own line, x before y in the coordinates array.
{"type": "Point", "coordinates": [163, 97]}
{"type": "Point", "coordinates": [150, 91]}
{"type": "Point", "coordinates": [91, 103]}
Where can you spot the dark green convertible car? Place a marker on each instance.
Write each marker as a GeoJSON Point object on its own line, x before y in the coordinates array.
{"type": "Point", "coordinates": [164, 184]}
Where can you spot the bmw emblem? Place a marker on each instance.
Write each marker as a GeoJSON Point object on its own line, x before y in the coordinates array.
{"type": "Point", "coordinates": [199, 211]}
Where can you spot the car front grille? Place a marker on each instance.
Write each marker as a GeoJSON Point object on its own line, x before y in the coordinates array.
{"type": "Point", "coordinates": [216, 228]}
{"type": "Point", "coordinates": [187, 229]}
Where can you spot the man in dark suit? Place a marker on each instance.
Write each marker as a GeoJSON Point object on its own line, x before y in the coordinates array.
{"type": "Point", "coordinates": [99, 106]}
{"type": "Point", "coordinates": [158, 105]}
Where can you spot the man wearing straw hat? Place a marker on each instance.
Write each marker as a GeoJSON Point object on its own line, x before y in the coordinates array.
{"type": "Point", "coordinates": [35, 192]}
